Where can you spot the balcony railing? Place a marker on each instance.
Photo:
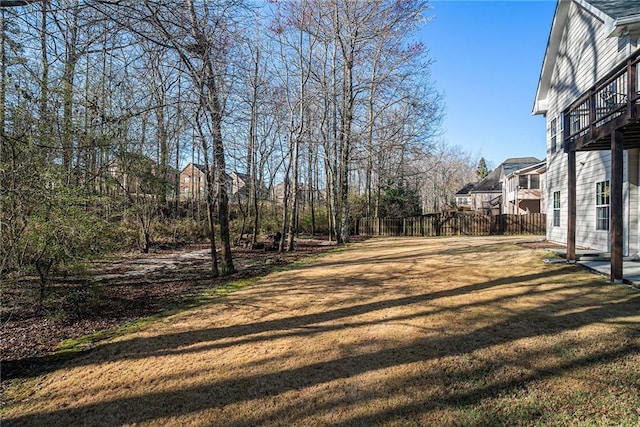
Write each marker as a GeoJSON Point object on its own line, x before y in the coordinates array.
{"type": "Point", "coordinates": [609, 104]}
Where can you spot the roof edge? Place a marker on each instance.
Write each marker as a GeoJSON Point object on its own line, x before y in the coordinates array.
{"type": "Point", "coordinates": [553, 45]}
{"type": "Point", "coordinates": [534, 167]}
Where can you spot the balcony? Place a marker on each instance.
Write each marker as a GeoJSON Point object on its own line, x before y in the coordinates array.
{"type": "Point", "coordinates": [611, 104]}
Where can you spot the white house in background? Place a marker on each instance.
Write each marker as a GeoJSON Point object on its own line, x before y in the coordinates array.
{"type": "Point", "coordinates": [487, 195]}
{"type": "Point", "coordinates": [588, 92]}
{"type": "Point", "coordinates": [523, 190]}
{"type": "Point", "coordinates": [463, 197]}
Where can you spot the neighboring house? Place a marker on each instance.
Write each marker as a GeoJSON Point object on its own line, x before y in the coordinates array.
{"type": "Point", "coordinates": [237, 186]}
{"type": "Point", "coordinates": [463, 197]}
{"type": "Point", "coordinates": [486, 195]}
{"type": "Point", "coordinates": [193, 183]}
{"type": "Point", "coordinates": [588, 92]}
{"type": "Point", "coordinates": [304, 194]}
{"type": "Point", "coordinates": [523, 190]}
{"type": "Point", "coordinates": [135, 173]}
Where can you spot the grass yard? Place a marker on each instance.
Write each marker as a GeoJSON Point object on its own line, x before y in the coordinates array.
{"type": "Point", "coordinates": [452, 331]}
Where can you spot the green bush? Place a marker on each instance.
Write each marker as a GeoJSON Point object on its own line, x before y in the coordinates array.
{"type": "Point", "coordinates": [81, 302]}
{"type": "Point", "coordinates": [321, 221]}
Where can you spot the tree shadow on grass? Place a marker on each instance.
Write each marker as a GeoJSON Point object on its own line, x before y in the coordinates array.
{"type": "Point", "coordinates": [164, 404]}
{"type": "Point", "coordinates": [570, 313]}
{"type": "Point", "coordinates": [30, 367]}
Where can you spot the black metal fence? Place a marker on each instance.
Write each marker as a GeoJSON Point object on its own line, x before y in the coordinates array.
{"type": "Point", "coordinates": [453, 224]}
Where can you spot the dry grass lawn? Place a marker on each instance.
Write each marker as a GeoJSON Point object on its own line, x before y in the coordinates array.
{"type": "Point", "coordinates": [455, 331]}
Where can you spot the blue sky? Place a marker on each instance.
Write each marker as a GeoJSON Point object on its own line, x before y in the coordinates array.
{"type": "Point", "coordinates": [488, 56]}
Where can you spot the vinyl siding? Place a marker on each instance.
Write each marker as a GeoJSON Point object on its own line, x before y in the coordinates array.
{"type": "Point", "coordinates": [585, 55]}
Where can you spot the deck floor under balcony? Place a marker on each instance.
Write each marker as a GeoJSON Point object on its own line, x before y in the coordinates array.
{"type": "Point", "coordinates": [611, 105]}
{"type": "Point", "coordinates": [628, 126]}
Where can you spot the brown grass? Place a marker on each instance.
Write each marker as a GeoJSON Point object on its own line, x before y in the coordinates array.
{"type": "Point", "coordinates": [455, 331]}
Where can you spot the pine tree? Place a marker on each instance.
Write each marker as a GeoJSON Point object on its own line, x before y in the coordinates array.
{"type": "Point", "coordinates": [482, 170]}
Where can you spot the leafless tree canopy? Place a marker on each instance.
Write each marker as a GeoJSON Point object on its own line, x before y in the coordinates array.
{"type": "Point", "coordinates": [324, 111]}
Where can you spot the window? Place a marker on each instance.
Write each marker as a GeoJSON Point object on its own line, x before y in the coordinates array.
{"type": "Point", "coordinates": [462, 200]}
{"type": "Point", "coordinates": [523, 182]}
{"type": "Point", "coordinates": [602, 205]}
{"type": "Point", "coordinates": [186, 179]}
{"type": "Point", "coordinates": [561, 133]}
{"type": "Point", "coordinates": [529, 182]}
{"type": "Point", "coordinates": [554, 135]}
{"type": "Point", "coordinates": [556, 209]}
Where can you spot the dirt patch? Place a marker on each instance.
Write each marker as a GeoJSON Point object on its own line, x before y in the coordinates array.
{"type": "Point", "coordinates": [446, 331]}
{"type": "Point", "coordinates": [118, 292]}
{"type": "Point", "coordinates": [540, 244]}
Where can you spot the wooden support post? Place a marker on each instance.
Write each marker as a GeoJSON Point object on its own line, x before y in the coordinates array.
{"type": "Point", "coordinates": [592, 111]}
{"type": "Point", "coordinates": [616, 211]}
{"type": "Point", "coordinates": [571, 206]}
{"type": "Point", "coordinates": [632, 88]}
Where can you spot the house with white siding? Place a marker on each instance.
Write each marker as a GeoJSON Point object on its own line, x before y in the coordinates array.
{"type": "Point", "coordinates": [463, 196]}
{"type": "Point", "coordinates": [588, 93]}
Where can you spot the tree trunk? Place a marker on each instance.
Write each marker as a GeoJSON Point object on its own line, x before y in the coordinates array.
{"type": "Point", "coordinates": [252, 155]}
{"type": "Point", "coordinates": [294, 197]}
{"type": "Point", "coordinates": [285, 210]}
{"type": "Point", "coordinates": [215, 271]}
{"type": "Point", "coordinates": [3, 74]}
{"type": "Point", "coordinates": [68, 76]}
{"type": "Point", "coordinates": [312, 180]}
{"type": "Point", "coordinates": [214, 108]}
{"type": "Point", "coordinates": [220, 165]}
{"type": "Point", "coordinates": [345, 144]}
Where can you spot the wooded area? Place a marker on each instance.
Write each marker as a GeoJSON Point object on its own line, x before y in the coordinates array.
{"type": "Point", "coordinates": [453, 224]}
{"type": "Point", "coordinates": [102, 104]}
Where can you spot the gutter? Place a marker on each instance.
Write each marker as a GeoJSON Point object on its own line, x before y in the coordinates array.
{"type": "Point", "coordinates": [625, 26]}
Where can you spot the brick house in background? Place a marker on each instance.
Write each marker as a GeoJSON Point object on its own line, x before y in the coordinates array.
{"type": "Point", "coordinates": [193, 182]}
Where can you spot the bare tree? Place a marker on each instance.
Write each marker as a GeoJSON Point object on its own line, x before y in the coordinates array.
{"type": "Point", "coordinates": [202, 36]}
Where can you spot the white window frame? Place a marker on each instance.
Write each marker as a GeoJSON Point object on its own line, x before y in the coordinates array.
{"type": "Point", "coordinates": [603, 209]}
{"type": "Point", "coordinates": [528, 185]}
{"type": "Point", "coordinates": [556, 208]}
{"type": "Point", "coordinates": [561, 131]}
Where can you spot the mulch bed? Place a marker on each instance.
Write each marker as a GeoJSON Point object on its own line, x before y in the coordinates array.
{"type": "Point", "coordinates": [29, 335]}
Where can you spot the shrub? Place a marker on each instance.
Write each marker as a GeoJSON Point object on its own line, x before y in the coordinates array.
{"type": "Point", "coordinates": [321, 221]}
